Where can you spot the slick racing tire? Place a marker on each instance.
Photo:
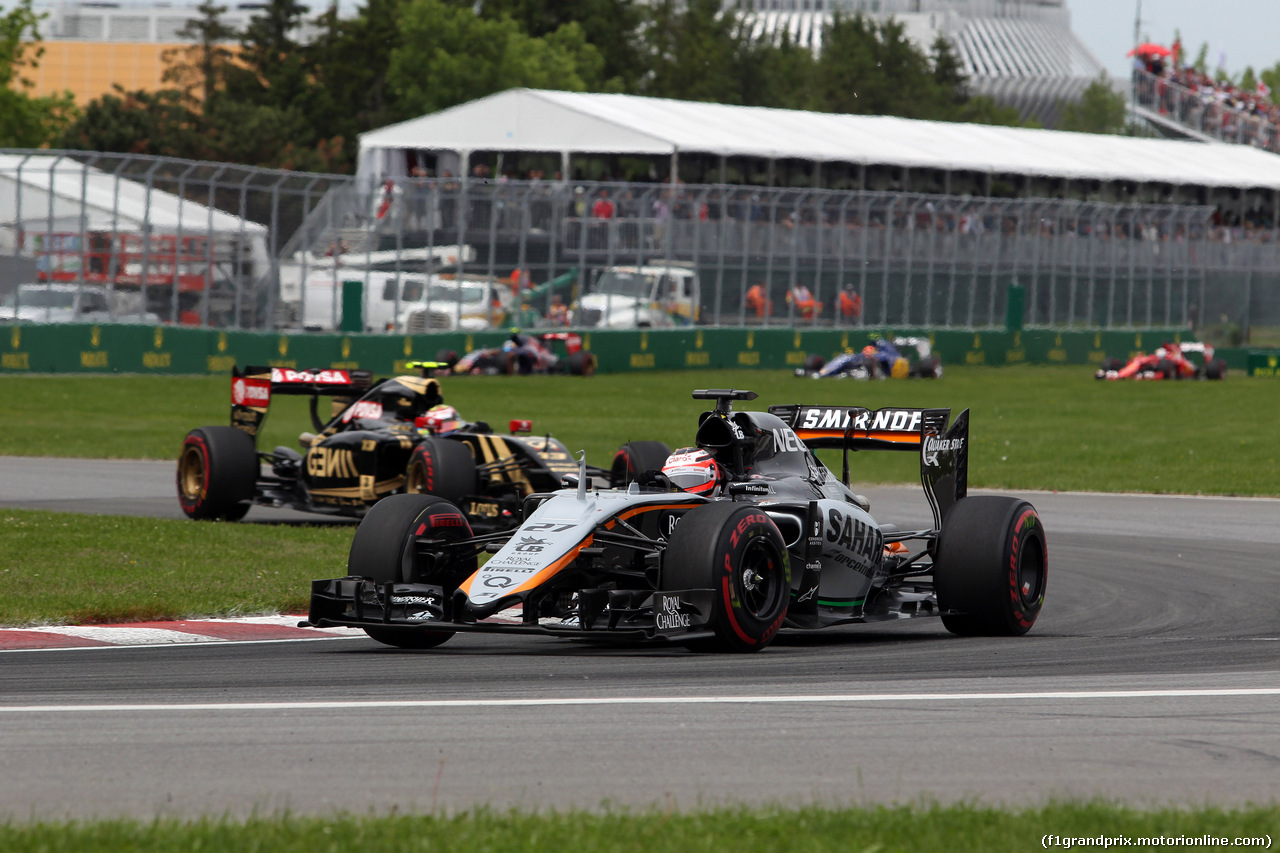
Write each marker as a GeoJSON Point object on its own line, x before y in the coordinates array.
{"type": "Point", "coordinates": [634, 458]}
{"type": "Point", "coordinates": [1166, 369]}
{"type": "Point", "coordinates": [737, 551]}
{"type": "Point", "coordinates": [991, 567]}
{"type": "Point", "coordinates": [1216, 369]}
{"type": "Point", "coordinates": [441, 467]}
{"type": "Point", "coordinates": [383, 551]}
{"type": "Point", "coordinates": [217, 473]}
{"type": "Point", "coordinates": [582, 363]}
{"type": "Point", "coordinates": [929, 368]}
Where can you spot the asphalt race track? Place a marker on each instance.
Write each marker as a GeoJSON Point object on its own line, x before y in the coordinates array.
{"type": "Point", "coordinates": [1151, 677]}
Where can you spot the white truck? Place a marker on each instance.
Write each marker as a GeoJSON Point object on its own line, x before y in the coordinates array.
{"type": "Point", "coordinates": [411, 304]}
{"type": "Point", "coordinates": [630, 297]}
{"type": "Point", "coordinates": [310, 293]}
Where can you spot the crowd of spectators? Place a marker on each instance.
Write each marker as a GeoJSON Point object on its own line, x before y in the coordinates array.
{"type": "Point", "coordinates": [641, 214]}
{"type": "Point", "coordinates": [1197, 100]}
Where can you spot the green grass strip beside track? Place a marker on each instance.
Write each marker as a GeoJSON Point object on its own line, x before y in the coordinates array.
{"type": "Point", "coordinates": [58, 568]}
{"type": "Point", "coordinates": [965, 828]}
{"type": "Point", "coordinates": [1052, 428]}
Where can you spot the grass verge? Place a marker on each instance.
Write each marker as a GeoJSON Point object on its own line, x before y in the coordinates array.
{"type": "Point", "coordinates": [1031, 427]}
{"type": "Point", "coordinates": [960, 828]}
{"type": "Point", "coordinates": [77, 569]}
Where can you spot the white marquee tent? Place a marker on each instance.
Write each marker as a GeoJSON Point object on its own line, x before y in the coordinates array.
{"type": "Point", "coordinates": [568, 124]}
{"type": "Point", "coordinates": [38, 189]}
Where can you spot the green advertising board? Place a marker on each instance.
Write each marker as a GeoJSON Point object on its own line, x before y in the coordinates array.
{"type": "Point", "coordinates": [1264, 363]}
{"type": "Point", "coordinates": [105, 348]}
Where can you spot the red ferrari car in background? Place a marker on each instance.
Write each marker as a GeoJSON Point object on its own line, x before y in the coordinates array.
{"type": "Point", "coordinates": [1167, 362]}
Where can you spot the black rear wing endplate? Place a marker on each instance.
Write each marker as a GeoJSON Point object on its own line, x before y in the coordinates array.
{"type": "Point", "coordinates": [943, 450]}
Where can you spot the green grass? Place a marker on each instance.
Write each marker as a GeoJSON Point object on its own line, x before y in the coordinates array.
{"type": "Point", "coordinates": [62, 567]}
{"type": "Point", "coordinates": [1032, 428]}
{"type": "Point", "coordinates": [958, 829]}
{"type": "Point", "coordinates": [1050, 428]}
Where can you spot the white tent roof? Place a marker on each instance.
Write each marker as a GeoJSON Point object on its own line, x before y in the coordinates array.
{"type": "Point", "coordinates": [107, 202]}
{"type": "Point", "coordinates": [544, 121]}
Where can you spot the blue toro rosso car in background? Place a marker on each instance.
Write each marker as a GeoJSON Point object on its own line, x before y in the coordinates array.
{"type": "Point", "coordinates": [881, 359]}
{"type": "Point", "coordinates": [733, 539]}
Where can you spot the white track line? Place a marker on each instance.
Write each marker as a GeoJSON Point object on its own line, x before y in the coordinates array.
{"type": "Point", "coordinates": [125, 636]}
{"type": "Point", "coordinates": [847, 698]}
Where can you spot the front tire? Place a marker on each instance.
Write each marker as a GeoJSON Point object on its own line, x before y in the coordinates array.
{"type": "Point", "coordinates": [737, 551]}
{"type": "Point", "coordinates": [383, 551]}
{"type": "Point", "coordinates": [634, 458]}
{"type": "Point", "coordinates": [217, 473]}
{"type": "Point", "coordinates": [1216, 369]}
{"type": "Point", "coordinates": [991, 567]}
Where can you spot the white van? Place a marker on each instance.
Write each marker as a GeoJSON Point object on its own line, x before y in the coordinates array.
{"type": "Point", "coordinates": [410, 304]}
{"type": "Point", "coordinates": [630, 297]}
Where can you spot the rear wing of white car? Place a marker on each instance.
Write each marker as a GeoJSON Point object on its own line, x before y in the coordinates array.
{"type": "Point", "coordinates": [943, 449]}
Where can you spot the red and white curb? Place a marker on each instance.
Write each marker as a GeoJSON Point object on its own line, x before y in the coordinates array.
{"type": "Point", "coordinates": [179, 632]}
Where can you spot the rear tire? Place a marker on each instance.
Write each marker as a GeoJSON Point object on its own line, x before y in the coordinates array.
{"type": "Point", "coordinates": [1166, 369]}
{"type": "Point", "coordinates": [582, 363]}
{"type": "Point", "coordinates": [217, 473]}
{"type": "Point", "coordinates": [737, 551]}
{"type": "Point", "coordinates": [929, 368]}
{"type": "Point", "coordinates": [1216, 369]}
{"type": "Point", "coordinates": [441, 467]}
{"type": "Point", "coordinates": [383, 552]}
{"type": "Point", "coordinates": [634, 458]}
{"type": "Point", "coordinates": [991, 567]}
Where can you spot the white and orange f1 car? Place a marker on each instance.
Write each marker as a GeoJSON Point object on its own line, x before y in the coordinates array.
{"type": "Point", "coordinates": [759, 537]}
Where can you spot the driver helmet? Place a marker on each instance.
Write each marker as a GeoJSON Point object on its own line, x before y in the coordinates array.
{"type": "Point", "coordinates": [869, 351]}
{"type": "Point", "coordinates": [692, 469]}
{"type": "Point", "coordinates": [1161, 352]}
{"type": "Point", "coordinates": [441, 420]}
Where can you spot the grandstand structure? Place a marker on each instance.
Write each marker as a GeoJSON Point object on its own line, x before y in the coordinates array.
{"type": "Point", "coordinates": [1021, 53]}
{"type": "Point", "coordinates": [595, 137]}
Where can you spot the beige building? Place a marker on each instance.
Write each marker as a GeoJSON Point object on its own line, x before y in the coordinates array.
{"type": "Point", "coordinates": [89, 70]}
{"type": "Point", "coordinates": [91, 47]}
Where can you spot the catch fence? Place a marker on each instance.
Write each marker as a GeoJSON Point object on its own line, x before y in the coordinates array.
{"type": "Point", "coordinates": [231, 247]}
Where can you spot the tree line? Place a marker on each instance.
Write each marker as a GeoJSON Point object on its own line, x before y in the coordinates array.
{"type": "Point", "coordinates": [260, 97]}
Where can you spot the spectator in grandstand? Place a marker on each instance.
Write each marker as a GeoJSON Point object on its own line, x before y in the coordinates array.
{"type": "Point", "coordinates": [603, 207]}
{"type": "Point", "coordinates": [661, 217]}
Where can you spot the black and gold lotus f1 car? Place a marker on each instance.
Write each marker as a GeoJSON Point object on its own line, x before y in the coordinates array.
{"type": "Point", "coordinates": [776, 542]}
{"type": "Point", "coordinates": [389, 437]}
